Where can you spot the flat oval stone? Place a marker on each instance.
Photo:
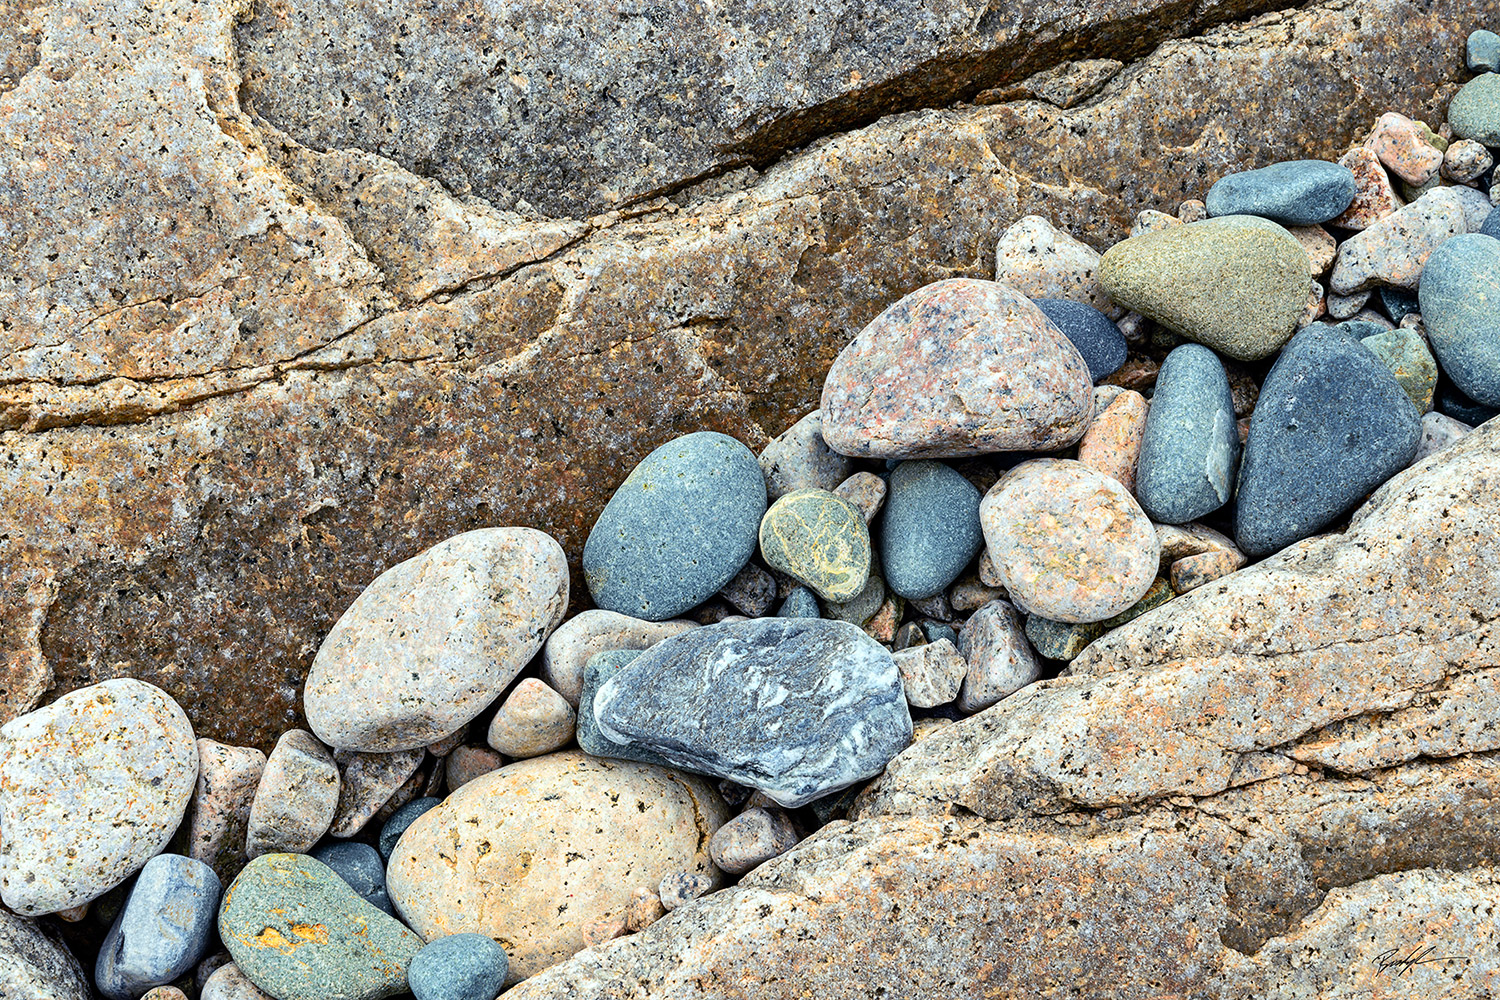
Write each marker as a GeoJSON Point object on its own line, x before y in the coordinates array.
{"type": "Point", "coordinates": [91, 787]}
{"type": "Point", "coordinates": [1294, 193]}
{"type": "Point", "coordinates": [958, 367]}
{"type": "Point", "coordinates": [1094, 334]}
{"type": "Point", "coordinates": [680, 526]}
{"type": "Point", "coordinates": [796, 708]}
{"type": "Point", "coordinates": [751, 839]}
{"type": "Point", "coordinates": [1331, 424]}
{"type": "Point", "coordinates": [930, 530]}
{"type": "Point", "coordinates": [459, 967]}
{"type": "Point", "coordinates": [228, 983]}
{"type": "Point", "coordinates": [1474, 112]}
{"type": "Point", "coordinates": [163, 929]}
{"type": "Point", "coordinates": [820, 540]}
{"type": "Point", "coordinates": [1460, 297]}
{"type": "Point", "coordinates": [434, 640]}
{"type": "Point", "coordinates": [1070, 543]}
{"type": "Point", "coordinates": [532, 853]}
{"type": "Point", "coordinates": [1237, 284]}
{"type": "Point", "coordinates": [1190, 449]}
{"type": "Point", "coordinates": [299, 932]}
{"type": "Point", "coordinates": [1112, 444]}
{"type": "Point", "coordinates": [34, 965]}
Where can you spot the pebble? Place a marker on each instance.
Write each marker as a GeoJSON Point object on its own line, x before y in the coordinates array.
{"type": "Point", "coordinates": [1000, 660]}
{"type": "Point", "coordinates": [1491, 225]}
{"type": "Point", "coordinates": [752, 591]}
{"type": "Point", "coordinates": [1071, 543]}
{"type": "Point", "coordinates": [680, 888]}
{"type": "Point", "coordinates": [866, 491]}
{"type": "Point", "coordinates": [1452, 402]}
{"type": "Point", "coordinates": [1460, 297]}
{"type": "Point", "coordinates": [1474, 112]}
{"type": "Point", "coordinates": [988, 575]}
{"type": "Point", "coordinates": [164, 993]}
{"type": "Point", "coordinates": [958, 367]}
{"type": "Point", "coordinates": [163, 929]}
{"type": "Point", "coordinates": [35, 964]}
{"type": "Point", "coordinates": [1345, 306]}
{"type": "Point", "coordinates": [1405, 353]}
{"type": "Point", "coordinates": [1375, 197]}
{"type": "Point", "coordinates": [1181, 540]}
{"type": "Point", "coordinates": [1466, 160]}
{"type": "Point", "coordinates": [220, 812]}
{"type": "Point", "coordinates": [298, 932]}
{"type": "Point", "coordinates": [229, 983]}
{"type": "Point", "coordinates": [1293, 193]}
{"type": "Point", "coordinates": [820, 540]}
{"type": "Point", "coordinates": [367, 782]}
{"type": "Point", "coordinates": [419, 784]}
{"type": "Point", "coordinates": [908, 636]}
{"type": "Point", "coordinates": [799, 459]}
{"type": "Point", "coordinates": [467, 763]}
{"type": "Point", "coordinates": [362, 868]}
{"type": "Point", "coordinates": [1042, 262]}
{"type": "Point", "coordinates": [1192, 572]}
{"type": "Point", "coordinates": [594, 631]}
{"type": "Point", "coordinates": [1159, 593]}
{"type": "Point", "coordinates": [434, 640]}
{"type": "Point", "coordinates": [930, 531]}
{"type": "Point", "coordinates": [1061, 640]}
{"type": "Point", "coordinates": [1190, 448]}
{"type": "Point", "coordinates": [601, 668]}
{"type": "Point", "coordinates": [296, 799]}
{"type": "Point", "coordinates": [1482, 51]}
{"type": "Point", "coordinates": [91, 786]}
{"type": "Point", "coordinates": [1236, 283]}
{"type": "Point", "coordinates": [459, 967]}
{"type": "Point", "coordinates": [1439, 431]}
{"type": "Point", "coordinates": [751, 839]}
{"type": "Point", "coordinates": [1476, 206]}
{"type": "Point", "coordinates": [679, 528]}
{"type": "Point", "coordinates": [887, 618]}
{"type": "Point", "coordinates": [533, 720]}
{"type": "Point", "coordinates": [1112, 444]}
{"type": "Point", "coordinates": [1097, 338]}
{"type": "Point", "coordinates": [1402, 146]}
{"type": "Point", "coordinates": [644, 910]}
{"type": "Point", "coordinates": [449, 743]}
{"type": "Point", "coordinates": [1149, 220]}
{"type": "Point", "coordinates": [1320, 245]}
{"type": "Point", "coordinates": [971, 592]}
{"type": "Point", "coordinates": [1397, 302]}
{"type": "Point", "coordinates": [400, 820]}
{"type": "Point", "coordinates": [931, 673]}
{"type": "Point", "coordinates": [1316, 306]}
{"type": "Point", "coordinates": [794, 708]}
{"type": "Point", "coordinates": [1331, 425]}
{"type": "Point", "coordinates": [1394, 250]}
{"type": "Point", "coordinates": [800, 603]}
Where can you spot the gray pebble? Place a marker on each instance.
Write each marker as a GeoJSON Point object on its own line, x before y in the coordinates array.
{"type": "Point", "coordinates": [361, 867]}
{"type": "Point", "coordinates": [163, 930]}
{"type": "Point", "coordinates": [1190, 448]}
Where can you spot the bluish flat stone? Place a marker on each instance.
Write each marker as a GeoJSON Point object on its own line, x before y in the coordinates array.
{"type": "Point", "coordinates": [680, 526]}
{"type": "Point", "coordinates": [929, 529]}
{"type": "Point", "coordinates": [361, 866]}
{"type": "Point", "coordinates": [1460, 296]}
{"type": "Point", "coordinates": [163, 929]}
{"type": "Point", "coordinates": [459, 967]}
{"type": "Point", "coordinates": [1294, 193]}
{"type": "Point", "coordinates": [1482, 52]}
{"type": "Point", "coordinates": [1332, 424]}
{"type": "Point", "coordinates": [1191, 444]}
{"type": "Point", "coordinates": [1094, 334]}
{"type": "Point", "coordinates": [800, 603]}
{"type": "Point", "coordinates": [600, 668]}
{"type": "Point", "coordinates": [400, 820]}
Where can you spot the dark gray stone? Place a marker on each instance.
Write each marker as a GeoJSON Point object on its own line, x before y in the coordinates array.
{"type": "Point", "coordinates": [459, 967]}
{"type": "Point", "coordinates": [600, 668]}
{"type": "Point", "coordinates": [1398, 303]}
{"type": "Point", "coordinates": [1094, 334]}
{"type": "Point", "coordinates": [1332, 423]}
{"type": "Point", "coordinates": [1295, 193]}
{"type": "Point", "coordinates": [400, 820]}
{"type": "Point", "coordinates": [937, 630]}
{"type": "Point", "coordinates": [35, 965]}
{"type": "Point", "coordinates": [1491, 226]}
{"type": "Point", "coordinates": [1450, 401]}
{"type": "Point", "coordinates": [1460, 296]}
{"type": "Point", "coordinates": [800, 603]}
{"type": "Point", "coordinates": [362, 867]}
{"type": "Point", "coordinates": [163, 930]}
{"type": "Point", "coordinates": [929, 530]}
{"type": "Point", "coordinates": [1482, 51]}
{"type": "Point", "coordinates": [679, 528]}
{"type": "Point", "coordinates": [1359, 329]}
{"type": "Point", "coordinates": [1190, 445]}
{"type": "Point", "coordinates": [793, 707]}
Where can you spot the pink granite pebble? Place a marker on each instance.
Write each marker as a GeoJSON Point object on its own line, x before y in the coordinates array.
{"type": "Point", "coordinates": [1375, 197]}
{"type": "Point", "coordinates": [220, 812]}
{"type": "Point", "coordinates": [1401, 144]}
{"type": "Point", "coordinates": [1112, 444]}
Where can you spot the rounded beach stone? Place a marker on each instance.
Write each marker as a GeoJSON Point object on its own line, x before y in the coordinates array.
{"type": "Point", "coordinates": [959, 367]}
{"type": "Point", "coordinates": [999, 657]}
{"type": "Point", "coordinates": [533, 720]}
{"type": "Point", "coordinates": [91, 786]}
{"type": "Point", "coordinates": [866, 491]}
{"type": "Point", "coordinates": [362, 868]}
{"type": "Point", "coordinates": [1466, 160]}
{"type": "Point", "coordinates": [594, 631]}
{"type": "Point", "coordinates": [1191, 447]}
{"type": "Point", "coordinates": [930, 530]}
{"type": "Point", "coordinates": [1394, 250]}
{"type": "Point", "coordinates": [1474, 112]}
{"type": "Point", "coordinates": [681, 888]}
{"type": "Point", "coordinates": [34, 965]}
{"type": "Point", "coordinates": [931, 672]}
{"type": "Point", "coordinates": [1438, 432]}
{"type": "Point", "coordinates": [752, 591]}
{"type": "Point", "coordinates": [1237, 284]}
{"type": "Point", "coordinates": [859, 609]}
{"type": "Point", "coordinates": [1192, 572]}
{"type": "Point", "coordinates": [799, 459]}
{"type": "Point", "coordinates": [220, 812]}
{"type": "Point", "coordinates": [296, 799]}
{"type": "Point", "coordinates": [1293, 193]}
{"type": "Point", "coordinates": [1094, 334]}
{"type": "Point", "coordinates": [751, 839]}
{"type": "Point", "coordinates": [395, 826]}
{"type": "Point", "coordinates": [1460, 297]}
{"type": "Point", "coordinates": [163, 929]}
{"type": "Point", "coordinates": [298, 932]}
{"type": "Point", "coordinates": [1071, 543]}
{"type": "Point", "coordinates": [532, 853]}
{"type": "Point", "coordinates": [1405, 353]}
{"type": "Point", "coordinates": [1482, 51]}
{"type": "Point", "coordinates": [1112, 444]}
{"type": "Point", "coordinates": [229, 983]}
{"type": "Point", "coordinates": [368, 780]}
{"type": "Point", "coordinates": [459, 967]}
{"type": "Point", "coordinates": [164, 993]}
{"type": "Point", "coordinates": [467, 763]}
{"type": "Point", "coordinates": [1375, 196]}
{"type": "Point", "coordinates": [1401, 144]}
{"type": "Point", "coordinates": [820, 540]}
{"type": "Point", "coordinates": [1042, 262]}
{"type": "Point", "coordinates": [644, 910]}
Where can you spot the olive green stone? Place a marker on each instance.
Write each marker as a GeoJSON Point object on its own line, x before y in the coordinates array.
{"type": "Point", "coordinates": [860, 608]}
{"type": "Point", "coordinates": [1405, 353]}
{"type": "Point", "coordinates": [819, 539]}
{"type": "Point", "coordinates": [1474, 112]}
{"type": "Point", "coordinates": [1160, 593]}
{"type": "Point", "coordinates": [1061, 640]}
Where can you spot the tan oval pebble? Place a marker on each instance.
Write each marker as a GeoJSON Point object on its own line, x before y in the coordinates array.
{"type": "Point", "coordinates": [1042, 262]}
{"type": "Point", "coordinates": [296, 799]}
{"type": "Point", "coordinates": [751, 839]}
{"type": "Point", "coordinates": [866, 491]}
{"type": "Point", "coordinates": [605, 928]}
{"type": "Point", "coordinates": [645, 909]}
{"type": "Point", "coordinates": [931, 673]}
{"type": "Point", "coordinates": [1071, 543]}
{"type": "Point", "coordinates": [533, 720]}
{"type": "Point", "coordinates": [1112, 444]}
{"type": "Point", "coordinates": [229, 983]}
{"type": "Point", "coordinates": [467, 763]}
{"type": "Point", "coordinates": [1000, 660]}
{"type": "Point", "coordinates": [367, 782]}
{"type": "Point", "coordinates": [597, 631]}
{"type": "Point", "coordinates": [1192, 572]}
{"type": "Point", "coordinates": [220, 814]}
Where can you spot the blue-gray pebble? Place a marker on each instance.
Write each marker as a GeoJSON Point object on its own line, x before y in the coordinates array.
{"type": "Point", "coordinates": [937, 630]}
{"type": "Point", "coordinates": [1094, 334]}
{"type": "Point", "coordinates": [679, 528]}
{"type": "Point", "coordinates": [1460, 296]}
{"type": "Point", "coordinates": [1483, 51]}
{"type": "Point", "coordinates": [1397, 302]}
{"type": "Point", "coordinates": [1331, 424]}
{"type": "Point", "coordinates": [929, 528]}
{"type": "Point", "coordinates": [458, 967]}
{"type": "Point", "coordinates": [800, 603]}
{"type": "Point", "coordinates": [600, 668]}
{"type": "Point", "coordinates": [1190, 447]}
{"type": "Point", "coordinates": [1294, 193]}
{"type": "Point", "coordinates": [1451, 402]}
{"type": "Point", "coordinates": [400, 820]}
{"type": "Point", "coordinates": [163, 929]}
{"type": "Point", "coordinates": [1491, 225]}
{"type": "Point", "coordinates": [361, 866]}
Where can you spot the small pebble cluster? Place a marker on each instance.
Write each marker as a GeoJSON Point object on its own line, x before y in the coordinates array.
{"type": "Point", "coordinates": [999, 473]}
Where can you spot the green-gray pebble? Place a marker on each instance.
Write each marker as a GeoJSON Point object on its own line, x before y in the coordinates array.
{"type": "Point", "coordinates": [1405, 353]}
{"type": "Point", "coordinates": [859, 609]}
{"type": "Point", "coordinates": [1061, 640]}
{"type": "Point", "coordinates": [818, 539]}
{"type": "Point", "coordinates": [1474, 112]}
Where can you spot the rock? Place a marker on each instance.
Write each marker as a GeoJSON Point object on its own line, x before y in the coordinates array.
{"type": "Point", "coordinates": [1041, 262]}
{"type": "Point", "coordinates": [1491, 225]}
{"type": "Point", "coordinates": [1192, 572]}
{"type": "Point", "coordinates": [1236, 283]}
{"type": "Point", "coordinates": [1096, 337]}
{"type": "Point", "coordinates": [931, 673]}
{"type": "Point", "coordinates": [1438, 432]}
{"type": "Point", "coordinates": [299, 932]}
{"type": "Point", "coordinates": [165, 993]}
{"type": "Point", "coordinates": [645, 908]}
{"type": "Point", "coordinates": [1398, 303]}
{"type": "Point", "coordinates": [862, 607]}
{"type": "Point", "coordinates": [800, 603]}
{"type": "Point", "coordinates": [1190, 448]}
{"type": "Point", "coordinates": [220, 811]}
{"type": "Point", "coordinates": [467, 763]}
{"type": "Point", "coordinates": [1345, 306]}
{"type": "Point", "coordinates": [418, 785]}
{"type": "Point", "coordinates": [799, 459]}
{"type": "Point", "coordinates": [1149, 220]}
{"type": "Point", "coordinates": [681, 888]}
{"type": "Point", "coordinates": [1476, 206]}
{"type": "Point", "coordinates": [1482, 51]}
{"type": "Point", "coordinates": [601, 668]}
{"type": "Point", "coordinates": [362, 869]}
{"type": "Point", "coordinates": [679, 528]}
{"type": "Point", "coordinates": [1394, 250]}
{"type": "Point", "coordinates": [1293, 193]}
{"type": "Point", "coordinates": [533, 720]}
{"type": "Point", "coordinates": [1000, 660]}
{"type": "Point", "coordinates": [1375, 198]}
{"type": "Point", "coordinates": [91, 787]}
{"type": "Point", "coordinates": [1331, 425]}
{"type": "Point", "coordinates": [1474, 112]}
{"type": "Point", "coordinates": [752, 590]}
{"type": "Point", "coordinates": [459, 967]}
{"type": "Point", "coordinates": [1405, 353]}
{"type": "Point", "coordinates": [1159, 593]}
{"type": "Point", "coordinates": [297, 797]}
{"type": "Point", "coordinates": [229, 983]}
{"type": "Point", "coordinates": [1320, 245]}
{"type": "Point", "coordinates": [1112, 444]}
{"type": "Point", "coordinates": [367, 782]}
{"type": "Point", "coordinates": [163, 930]}
{"type": "Point", "coordinates": [958, 367]}
{"type": "Point", "coordinates": [930, 531]}
{"type": "Point", "coordinates": [866, 491]}
{"type": "Point", "coordinates": [390, 833]}
{"type": "Point", "coordinates": [1060, 640]}
{"type": "Point", "coordinates": [820, 540]}
{"type": "Point", "coordinates": [970, 593]}
{"type": "Point", "coordinates": [1459, 297]}
{"type": "Point", "coordinates": [1449, 400]}
{"type": "Point", "coordinates": [1071, 544]}
{"type": "Point", "coordinates": [886, 620]}
{"type": "Point", "coordinates": [34, 965]}
{"type": "Point", "coordinates": [594, 631]}
{"type": "Point", "coordinates": [794, 708]}
{"type": "Point", "coordinates": [1181, 540]}
{"type": "Point", "coordinates": [751, 839]}
{"type": "Point", "coordinates": [564, 826]}
{"type": "Point", "coordinates": [1316, 307]}
{"type": "Point", "coordinates": [1401, 144]}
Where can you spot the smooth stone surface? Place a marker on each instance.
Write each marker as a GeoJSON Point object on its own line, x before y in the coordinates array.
{"type": "Point", "coordinates": [1042, 262]}
{"type": "Point", "coordinates": [459, 967]}
{"type": "Point", "coordinates": [1070, 543]}
{"type": "Point", "coordinates": [163, 930]}
{"type": "Point", "coordinates": [866, 491]}
{"type": "Point", "coordinates": [1405, 353]}
{"type": "Point", "coordinates": [1439, 431]}
{"type": "Point", "coordinates": [799, 459]}
{"type": "Point", "coordinates": [295, 802]}
{"type": "Point", "coordinates": [1190, 448]}
{"type": "Point", "coordinates": [601, 667]}
{"type": "Point", "coordinates": [91, 786]}
{"type": "Point", "coordinates": [751, 839]}
{"type": "Point", "coordinates": [1000, 660]}
{"type": "Point", "coordinates": [931, 673]}
{"type": "Point", "coordinates": [863, 606]}
{"type": "Point", "coordinates": [930, 529]}
{"type": "Point", "coordinates": [800, 603]}
{"type": "Point", "coordinates": [1460, 297]}
{"type": "Point", "coordinates": [35, 965]}
{"type": "Point", "coordinates": [466, 763]}
{"type": "Point", "coordinates": [1401, 144]}
{"type": "Point", "coordinates": [1474, 112]}
{"type": "Point", "coordinates": [958, 367]}
{"type": "Point", "coordinates": [433, 640]}
{"type": "Point", "coordinates": [229, 983]}
{"type": "Point", "coordinates": [1491, 225]}
{"type": "Point", "coordinates": [299, 932]}
{"type": "Point", "coordinates": [1111, 445]}
{"type": "Point", "coordinates": [1332, 423]}
{"type": "Point", "coordinates": [1482, 51]}
{"type": "Point", "coordinates": [679, 527]}
{"type": "Point", "coordinates": [390, 833]}
{"type": "Point", "coordinates": [820, 540]}
{"type": "Point", "coordinates": [533, 720]}
{"type": "Point", "coordinates": [1293, 193]}
{"type": "Point", "coordinates": [795, 708]}
{"type": "Point", "coordinates": [1237, 283]}
{"type": "Point", "coordinates": [367, 782]}
{"type": "Point", "coordinates": [1394, 250]}
{"type": "Point", "coordinates": [1094, 334]}
{"type": "Point", "coordinates": [220, 812]}
{"type": "Point", "coordinates": [543, 847]}
{"type": "Point", "coordinates": [594, 631]}
{"type": "Point", "coordinates": [361, 866]}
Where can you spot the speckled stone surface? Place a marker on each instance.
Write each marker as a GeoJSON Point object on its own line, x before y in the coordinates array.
{"type": "Point", "coordinates": [795, 708]}
{"type": "Point", "coordinates": [799, 459]}
{"type": "Point", "coordinates": [601, 667]}
{"type": "Point", "coordinates": [533, 720]}
{"type": "Point", "coordinates": [594, 631]}
{"type": "Point", "coordinates": [220, 811]}
{"type": "Point", "coordinates": [1460, 299]}
{"type": "Point", "coordinates": [466, 763]}
{"type": "Point", "coordinates": [958, 367]}
{"type": "Point", "coordinates": [1401, 144]}
{"type": "Point", "coordinates": [1293, 192]}
{"type": "Point", "coordinates": [91, 786]}
{"type": "Point", "coordinates": [543, 847]}
{"type": "Point", "coordinates": [35, 965]}
{"type": "Point", "coordinates": [679, 527]}
{"type": "Point", "coordinates": [800, 603]}
{"type": "Point", "coordinates": [864, 490]}
{"type": "Point", "coordinates": [1060, 640]}
{"type": "Point", "coordinates": [295, 802]}
{"type": "Point", "coordinates": [1320, 245]}
{"type": "Point", "coordinates": [395, 826]}
{"type": "Point", "coordinates": [1112, 444]}
{"type": "Point", "coordinates": [681, 888]}
{"type": "Point", "coordinates": [929, 531]}
{"type": "Point", "coordinates": [751, 839]}
{"type": "Point", "coordinates": [1190, 449]}
{"type": "Point", "coordinates": [1071, 543]}
{"type": "Point", "coordinates": [362, 868]}
{"type": "Point", "coordinates": [1439, 431]}
{"type": "Point", "coordinates": [229, 983]}
{"type": "Point", "coordinates": [1237, 283]}
{"type": "Point", "coordinates": [1042, 262]}
{"type": "Point", "coordinates": [1192, 572]}
{"type": "Point", "coordinates": [1405, 353]}
{"type": "Point", "coordinates": [1094, 334]}
{"type": "Point", "coordinates": [366, 782]}
{"type": "Point", "coordinates": [1000, 659]}
{"type": "Point", "coordinates": [1474, 112]}
{"type": "Point", "coordinates": [163, 930]}
{"type": "Point", "coordinates": [459, 967]}
{"type": "Point", "coordinates": [1466, 160]}
{"type": "Point", "coordinates": [820, 540]}
{"type": "Point", "coordinates": [298, 932]}
{"type": "Point", "coordinates": [752, 591]}
{"type": "Point", "coordinates": [1375, 197]}
{"type": "Point", "coordinates": [433, 640]}
{"type": "Point", "coordinates": [1394, 250]}
{"type": "Point", "coordinates": [931, 673]}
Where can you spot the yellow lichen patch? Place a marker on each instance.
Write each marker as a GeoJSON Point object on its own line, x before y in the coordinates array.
{"type": "Point", "coordinates": [271, 937]}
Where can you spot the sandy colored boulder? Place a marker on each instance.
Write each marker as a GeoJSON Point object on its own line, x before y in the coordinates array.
{"type": "Point", "coordinates": [533, 720]}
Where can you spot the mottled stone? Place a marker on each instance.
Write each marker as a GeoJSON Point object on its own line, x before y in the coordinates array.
{"type": "Point", "coordinates": [165, 993]}
{"type": "Point", "coordinates": [1097, 338]}
{"type": "Point", "coordinates": [971, 592]}
{"type": "Point", "coordinates": [163, 930]}
{"type": "Point", "coordinates": [1375, 197]}
{"type": "Point", "coordinates": [930, 531]}
{"type": "Point", "coordinates": [1149, 220]}
{"type": "Point", "coordinates": [1482, 51]}
{"type": "Point", "coordinates": [1000, 660]}
{"type": "Point", "coordinates": [1320, 245]}
{"type": "Point", "coordinates": [297, 797]}
{"type": "Point", "coordinates": [801, 603]}
{"type": "Point", "coordinates": [459, 967]}
{"type": "Point", "coordinates": [1476, 206]}
{"type": "Point", "coordinates": [1159, 593]}
{"type": "Point", "coordinates": [1316, 307]}
{"type": "Point", "coordinates": [751, 839]}
{"type": "Point", "coordinates": [1460, 300]}
{"type": "Point", "coordinates": [681, 888]}
{"type": "Point", "coordinates": [1042, 262]}
{"type": "Point", "coordinates": [1293, 192]}
{"type": "Point", "coordinates": [752, 590]}
{"type": "Point", "coordinates": [958, 367]}
{"type": "Point", "coordinates": [863, 606]}
{"type": "Point", "coordinates": [1112, 444]}
{"type": "Point", "coordinates": [1438, 432]}
{"type": "Point", "coordinates": [1404, 352]}
{"type": "Point", "coordinates": [887, 618]}
{"type": "Point", "coordinates": [1190, 447]}
{"type": "Point", "coordinates": [931, 673]}
{"type": "Point", "coordinates": [799, 459]}
{"type": "Point", "coordinates": [396, 825]}
{"type": "Point", "coordinates": [220, 811]}
{"type": "Point", "coordinates": [229, 983]}
{"type": "Point", "coordinates": [645, 908]}
{"type": "Point", "coordinates": [866, 491]}
{"type": "Point", "coordinates": [1192, 572]}
{"type": "Point", "coordinates": [34, 965]}
{"type": "Point", "coordinates": [91, 786]}
{"type": "Point", "coordinates": [367, 782]}
{"type": "Point", "coordinates": [533, 720]}
{"type": "Point", "coordinates": [1401, 144]}
{"type": "Point", "coordinates": [467, 763]}
{"type": "Point", "coordinates": [1474, 112]}
{"type": "Point", "coordinates": [1394, 250]}
{"type": "Point", "coordinates": [1061, 641]}
{"type": "Point", "coordinates": [1345, 306]}
{"type": "Point", "coordinates": [601, 667]}
{"type": "Point", "coordinates": [594, 631]}
{"type": "Point", "coordinates": [820, 540]}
